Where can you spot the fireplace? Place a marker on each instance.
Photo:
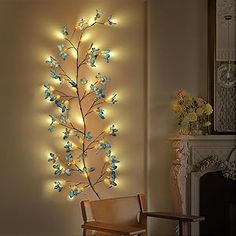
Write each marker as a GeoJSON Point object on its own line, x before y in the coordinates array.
{"type": "Point", "coordinates": [218, 205]}
{"type": "Point", "coordinates": [205, 165]}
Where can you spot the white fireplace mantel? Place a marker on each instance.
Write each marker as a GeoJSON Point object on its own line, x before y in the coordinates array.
{"type": "Point", "coordinates": [188, 151]}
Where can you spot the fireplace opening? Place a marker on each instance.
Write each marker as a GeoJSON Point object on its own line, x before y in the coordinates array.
{"type": "Point", "coordinates": [218, 205]}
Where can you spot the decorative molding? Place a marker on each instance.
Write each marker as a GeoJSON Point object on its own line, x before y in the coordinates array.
{"type": "Point", "coordinates": [194, 156]}
{"type": "Point", "coordinates": [178, 174]}
{"type": "Point", "coordinates": [228, 168]}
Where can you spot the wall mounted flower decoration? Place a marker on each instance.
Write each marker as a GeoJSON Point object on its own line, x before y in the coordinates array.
{"type": "Point", "coordinates": [78, 95]}
{"type": "Point", "coordinates": [192, 112]}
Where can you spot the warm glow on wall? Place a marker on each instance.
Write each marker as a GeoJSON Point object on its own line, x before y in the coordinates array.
{"type": "Point", "coordinates": [86, 37]}
{"type": "Point", "coordinates": [77, 99]}
{"type": "Point", "coordinates": [59, 35]}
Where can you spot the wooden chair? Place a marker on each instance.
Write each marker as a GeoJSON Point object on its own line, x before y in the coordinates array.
{"type": "Point", "coordinates": [124, 216]}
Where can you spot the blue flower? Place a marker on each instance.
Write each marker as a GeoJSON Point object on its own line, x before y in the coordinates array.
{"type": "Point", "coordinates": [88, 136]}
{"type": "Point", "coordinates": [47, 86]}
{"type": "Point", "coordinates": [99, 91]}
{"type": "Point", "coordinates": [103, 79]}
{"type": "Point", "coordinates": [68, 146]}
{"type": "Point", "coordinates": [58, 169]}
{"type": "Point", "coordinates": [52, 62]}
{"type": "Point", "coordinates": [62, 51]}
{"type": "Point", "coordinates": [54, 75]}
{"type": "Point", "coordinates": [98, 15]}
{"type": "Point", "coordinates": [52, 158]}
{"type": "Point", "coordinates": [52, 97]}
{"type": "Point", "coordinates": [112, 179]}
{"type": "Point", "coordinates": [66, 133]}
{"type": "Point", "coordinates": [83, 81]}
{"type": "Point", "coordinates": [110, 21]}
{"type": "Point", "coordinates": [113, 130]}
{"type": "Point", "coordinates": [69, 157]}
{"type": "Point", "coordinates": [68, 172]}
{"type": "Point", "coordinates": [92, 56]}
{"type": "Point", "coordinates": [113, 166]}
{"type": "Point", "coordinates": [73, 83]}
{"type": "Point", "coordinates": [47, 91]}
{"type": "Point", "coordinates": [58, 186]}
{"type": "Point", "coordinates": [74, 192]}
{"type": "Point", "coordinates": [60, 105]}
{"type": "Point", "coordinates": [106, 55]}
{"type": "Point", "coordinates": [101, 113]}
{"type": "Point", "coordinates": [113, 175]}
{"type": "Point", "coordinates": [82, 24]}
{"type": "Point", "coordinates": [113, 99]}
{"type": "Point", "coordinates": [64, 31]}
{"type": "Point", "coordinates": [103, 145]}
{"type": "Point", "coordinates": [109, 154]}
{"type": "Point", "coordinates": [112, 160]}
{"type": "Point", "coordinates": [63, 118]}
{"type": "Point", "coordinates": [51, 126]}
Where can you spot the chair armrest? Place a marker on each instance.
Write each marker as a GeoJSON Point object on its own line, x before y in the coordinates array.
{"type": "Point", "coordinates": [113, 229]}
{"type": "Point", "coordinates": [174, 216]}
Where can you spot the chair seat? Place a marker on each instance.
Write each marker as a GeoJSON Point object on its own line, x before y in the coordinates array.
{"type": "Point", "coordinates": [115, 229]}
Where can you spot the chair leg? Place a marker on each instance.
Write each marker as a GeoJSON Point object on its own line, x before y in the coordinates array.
{"type": "Point", "coordinates": [84, 232]}
{"type": "Point", "coordinates": [183, 230]}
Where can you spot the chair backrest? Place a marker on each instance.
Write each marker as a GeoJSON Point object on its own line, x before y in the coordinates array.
{"type": "Point", "coordinates": [122, 211]}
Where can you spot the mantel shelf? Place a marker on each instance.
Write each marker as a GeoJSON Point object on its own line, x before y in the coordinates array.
{"type": "Point", "coordinates": [203, 137]}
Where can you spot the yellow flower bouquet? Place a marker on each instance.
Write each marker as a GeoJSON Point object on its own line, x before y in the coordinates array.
{"type": "Point", "coordinates": [192, 112]}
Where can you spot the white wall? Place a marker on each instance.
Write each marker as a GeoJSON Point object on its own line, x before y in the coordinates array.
{"type": "Point", "coordinates": [28, 205]}
{"type": "Point", "coordinates": [177, 59]}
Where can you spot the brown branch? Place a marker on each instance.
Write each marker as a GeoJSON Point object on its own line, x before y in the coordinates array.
{"type": "Point", "coordinates": [81, 35]}
{"type": "Point", "coordinates": [71, 127]}
{"type": "Point", "coordinates": [71, 98]}
{"type": "Point", "coordinates": [78, 183]}
{"type": "Point", "coordinates": [72, 45]}
{"type": "Point", "coordinates": [69, 48]}
{"type": "Point", "coordinates": [83, 117]}
{"type": "Point", "coordinates": [93, 24]}
{"type": "Point", "coordinates": [78, 65]}
{"type": "Point", "coordinates": [94, 104]}
{"type": "Point", "coordinates": [102, 174]}
{"type": "Point", "coordinates": [88, 147]}
{"type": "Point", "coordinates": [83, 95]}
{"type": "Point", "coordinates": [72, 34]}
{"type": "Point", "coordinates": [64, 74]}
{"type": "Point", "coordinates": [87, 94]}
{"type": "Point", "coordinates": [69, 181]}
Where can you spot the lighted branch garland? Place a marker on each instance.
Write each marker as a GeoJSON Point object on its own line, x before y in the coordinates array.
{"type": "Point", "coordinates": [80, 142]}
